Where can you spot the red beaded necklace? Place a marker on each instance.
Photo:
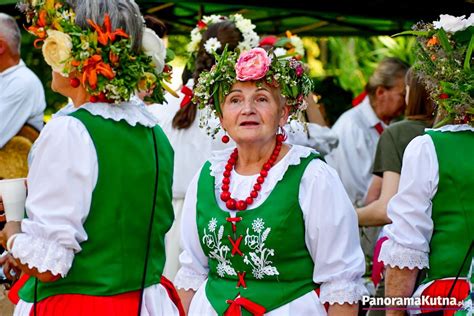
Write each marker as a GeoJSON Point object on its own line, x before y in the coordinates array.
{"type": "Point", "coordinates": [242, 205]}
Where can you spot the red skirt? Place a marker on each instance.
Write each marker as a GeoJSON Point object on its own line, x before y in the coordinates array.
{"type": "Point", "coordinates": [441, 288]}
{"type": "Point", "coordinates": [125, 304]}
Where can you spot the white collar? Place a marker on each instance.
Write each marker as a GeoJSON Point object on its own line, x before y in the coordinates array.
{"type": "Point", "coordinates": [369, 113]}
{"type": "Point", "coordinates": [13, 68]}
{"type": "Point", "coordinates": [452, 128]}
{"type": "Point", "coordinates": [133, 112]}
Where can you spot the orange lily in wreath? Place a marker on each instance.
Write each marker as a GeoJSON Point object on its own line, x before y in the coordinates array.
{"type": "Point", "coordinates": [94, 66]}
{"type": "Point", "coordinates": [38, 29]}
{"type": "Point", "coordinates": [106, 34]}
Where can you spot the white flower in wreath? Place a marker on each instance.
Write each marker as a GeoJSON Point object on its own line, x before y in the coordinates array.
{"type": "Point", "coordinates": [451, 23]}
{"type": "Point", "coordinates": [297, 43]}
{"type": "Point", "coordinates": [212, 45]}
{"type": "Point", "coordinates": [154, 47]}
{"type": "Point", "coordinates": [258, 224]}
{"type": "Point", "coordinates": [212, 224]}
{"type": "Point", "coordinates": [211, 19]}
{"type": "Point", "coordinates": [279, 51]}
{"type": "Point", "coordinates": [57, 51]}
{"type": "Point", "coordinates": [244, 25]}
{"type": "Point", "coordinates": [470, 20]}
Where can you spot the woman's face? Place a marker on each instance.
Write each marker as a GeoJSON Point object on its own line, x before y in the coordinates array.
{"type": "Point", "coordinates": [252, 114]}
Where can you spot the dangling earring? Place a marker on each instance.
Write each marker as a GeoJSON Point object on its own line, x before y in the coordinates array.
{"type": "Point", "coordinates": [74, 82]}
{"type": "Point", "coordinates": [281, 136]}
{"type": "Point", "coordinates": [225, 139]}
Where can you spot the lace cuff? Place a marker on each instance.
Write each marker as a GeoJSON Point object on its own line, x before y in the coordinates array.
{"type": "Point", "coordinates": [396, 255]}
{"type": "Point", "coordinates": [342, 291]}
{"type": "Point", "coordinates": [44, 255]}
{"type": "Point", "coordinates": [188, 280]}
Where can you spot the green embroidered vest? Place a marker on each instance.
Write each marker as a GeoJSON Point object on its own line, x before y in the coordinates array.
{"type": "Point", "coordinates": [112, 258]}
{"type": "Point", "coordinates": [453, 205]}
{"type": "Point", "coordinates": [272, 265]}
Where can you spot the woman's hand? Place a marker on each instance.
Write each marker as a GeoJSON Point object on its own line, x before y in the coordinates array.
{"type": "Point", "coordinates": [9, 264]}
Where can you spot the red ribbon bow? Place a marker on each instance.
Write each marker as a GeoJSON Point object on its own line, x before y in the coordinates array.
{"type": "Point", "coordinates": [235, 305]}
{"type": "Point", "coordinates": [188, 95]}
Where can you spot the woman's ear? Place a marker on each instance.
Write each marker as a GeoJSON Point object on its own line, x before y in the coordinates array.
{"type": "Point", "coordinates": [284, 115]}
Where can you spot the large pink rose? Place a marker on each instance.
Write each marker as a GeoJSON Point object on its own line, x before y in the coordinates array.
{"type": "Point", "coordinates": [252, 64]}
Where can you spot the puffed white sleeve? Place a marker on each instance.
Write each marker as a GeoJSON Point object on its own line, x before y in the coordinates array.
{"type": "Point", "coordinates": [194, 263]}
{"type": "Point", "coordinates": [61, 179]}
{"type": "Point", "coordinates": [410, 209]}
{"type": "Point", "coordinates": [331, 235]}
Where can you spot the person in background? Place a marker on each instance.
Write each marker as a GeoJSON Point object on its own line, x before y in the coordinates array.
{"type": "Point", "coordinates": [99, 186]}
{"type": "Point", "coordinates": [22, 103]}
{"type": "Point", "coordinates": [358, 131]}
{"type": "Point", "coordinates": [359, 128]}
{"type": "Point", "coordinates": [180, 117]}
{"type": "Point", "coordinates": [432, 213]}
{"type": "Point", "coordinates": [419, 115]}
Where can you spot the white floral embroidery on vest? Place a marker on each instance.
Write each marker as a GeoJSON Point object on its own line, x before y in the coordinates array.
{"type": "Point", "coordinates": [261, 266]}
{"type": "Point", "coordinates": [258, 259]}
{"type": "Point", "coordinates": [219, 251]}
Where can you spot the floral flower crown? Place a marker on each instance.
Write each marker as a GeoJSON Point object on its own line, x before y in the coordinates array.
{"type": "Point", "coordinates": [289, 46]}
{"type": "Point", "coordinates": [257, 65]}
{"type": "Point", "coordinates": [444, 61]}
{"type": "Point", "coordinates": [102, 58]}
{"type": "Point", "coordinates": [245, 26]}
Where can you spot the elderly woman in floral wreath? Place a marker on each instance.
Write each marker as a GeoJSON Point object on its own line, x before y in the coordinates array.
{"type": "Point", "coordinates": [265, 225]}
{"type": "Point", "coordinates": [179, 117]}
{"type": "Point", "coordinates": [99, 187]}
{"type": "Point", "coordinates": [433, 212]}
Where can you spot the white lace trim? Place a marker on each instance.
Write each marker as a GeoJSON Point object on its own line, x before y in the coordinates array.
{"type": "Point", "coordinates": [343, 291]}
{"type": "Point", "coordinates": [396, 255]}
{"type": "Point", "coordinates": [133, 112]}
{"type": "Point", "coordinates": [219, 159]}
{"type": "Point", "coordinates": [452, 128]}
{"type": "Point", "coordinates": [188, 280]}
{"type": "Point", "coordinates": [44, 255]}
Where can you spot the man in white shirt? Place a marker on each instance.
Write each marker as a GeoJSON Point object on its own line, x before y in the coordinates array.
{"type": "Point", "coordinates": [21, 92]}
{"type": "Point", "coordinates": [359, 128]}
